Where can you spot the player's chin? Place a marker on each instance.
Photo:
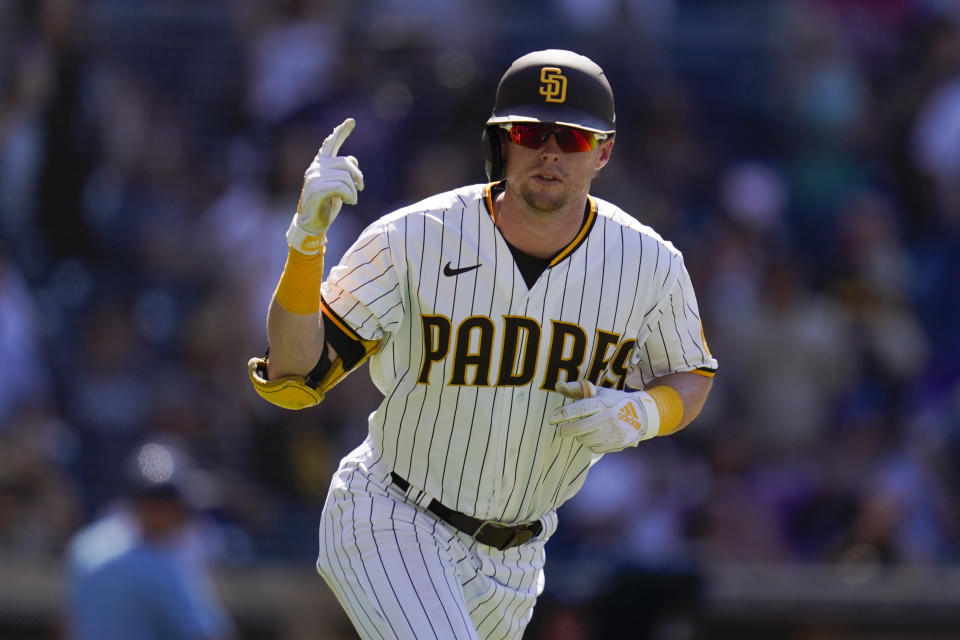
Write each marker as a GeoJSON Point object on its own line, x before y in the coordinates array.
{"type": "Point", "coordinates": [545, 203]}
{"type": "Point", "coordinates": [547, 194]}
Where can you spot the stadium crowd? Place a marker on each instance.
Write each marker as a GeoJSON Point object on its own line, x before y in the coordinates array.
{"type": "Point", "coordinates": [804, 155]}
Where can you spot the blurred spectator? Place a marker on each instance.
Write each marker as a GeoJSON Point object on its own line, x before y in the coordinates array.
{"type": "Point", "coordinates": [24, 377]}
{"type": "Point", "coordinates": [796, 359]}
{"type": "Point", "coordinates": [296, 57]}
{"type": "Point", "coordinates": [134, 573]}
{"type": "Point", "coordinates": [40, 504]}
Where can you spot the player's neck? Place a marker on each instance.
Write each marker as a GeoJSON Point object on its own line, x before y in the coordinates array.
{"type": "Point", "coordinates": [537, 233]}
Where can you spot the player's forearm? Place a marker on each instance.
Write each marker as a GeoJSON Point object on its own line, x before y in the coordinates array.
{"type": "Point", "coordinates": [294, 325]}
{"type": "Point", "coordinates": [692, 390]}
{"type": "Point", "coordinates": [296, 341]}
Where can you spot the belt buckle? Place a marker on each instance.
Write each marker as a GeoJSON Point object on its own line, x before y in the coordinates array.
{"type": "Point", "coordinates": [518, 535]}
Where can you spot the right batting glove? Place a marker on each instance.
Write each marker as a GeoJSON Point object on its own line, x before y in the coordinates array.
{"type": "Point", "coordinates": [329, 181]}
{"type": "Point", "coordinates": [605, 420]}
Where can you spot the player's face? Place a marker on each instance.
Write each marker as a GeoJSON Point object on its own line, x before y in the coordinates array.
{"type": "Point", "coordinates": [549, 178]}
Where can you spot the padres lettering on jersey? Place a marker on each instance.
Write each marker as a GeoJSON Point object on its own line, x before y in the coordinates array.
{"type": "Point", "coordinates": [469, 355]}
{"type": "Point", "coordinates": [437, 340]}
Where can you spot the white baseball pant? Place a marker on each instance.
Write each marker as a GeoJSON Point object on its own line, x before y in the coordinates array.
{"type": "Point", "coordinates": [399, 572]}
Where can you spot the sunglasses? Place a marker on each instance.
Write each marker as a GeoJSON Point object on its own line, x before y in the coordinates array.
{"type": "Point", "coordinates": [533, 135]}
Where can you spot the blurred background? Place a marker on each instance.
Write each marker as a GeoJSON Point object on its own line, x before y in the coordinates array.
{"type": "Point", "coordinates": [803, 154]}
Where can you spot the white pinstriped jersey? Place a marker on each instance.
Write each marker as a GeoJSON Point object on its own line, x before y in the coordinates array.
{"type": "Point", "coordinates": [469, 355]}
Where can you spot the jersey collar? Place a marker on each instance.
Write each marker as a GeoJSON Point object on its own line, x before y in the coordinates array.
{"type": "Point", "coordinates": [588, 220]}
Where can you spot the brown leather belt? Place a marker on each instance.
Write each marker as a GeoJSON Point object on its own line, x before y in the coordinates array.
{"type": "Point", "coordinates": [489, 532]}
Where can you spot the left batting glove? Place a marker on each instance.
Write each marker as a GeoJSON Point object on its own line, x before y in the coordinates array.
{"type": "Point", "coordinates": [605, 420]}
{"type": "Point", "coordinates": [330, 181]}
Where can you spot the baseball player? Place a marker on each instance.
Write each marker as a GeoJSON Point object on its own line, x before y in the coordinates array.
{"type": "Point", "coordinates": [518, 331]}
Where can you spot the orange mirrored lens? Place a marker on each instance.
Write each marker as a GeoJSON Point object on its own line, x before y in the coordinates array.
{"type": "Point", "coordinates": [534, 135]}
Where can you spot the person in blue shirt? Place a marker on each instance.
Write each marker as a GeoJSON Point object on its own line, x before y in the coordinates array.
{"type": "Point", "coordinates": [129, 575]}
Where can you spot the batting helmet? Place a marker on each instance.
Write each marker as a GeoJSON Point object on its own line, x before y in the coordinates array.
{"type": "Point", "coordinates": [549, 86]}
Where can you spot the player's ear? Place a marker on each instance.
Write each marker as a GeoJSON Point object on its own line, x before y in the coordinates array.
{"type": "Point", "coordinates": [606, 148]}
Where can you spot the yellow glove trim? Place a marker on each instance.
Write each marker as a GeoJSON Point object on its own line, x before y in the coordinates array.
{"type": "Point", "coordinates": [670, 407]}
{"type": "Point", "coordinates": [299, 288]}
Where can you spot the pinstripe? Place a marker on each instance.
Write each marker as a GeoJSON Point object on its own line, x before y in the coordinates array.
{"type": "Point", "coordinates": [579, 473]}
{"type": "Point", "coordinates": [386, 574]}
{"type": "Point", "coordinates": [476, 396]}
{"type": "Point", "coordinates": [573, 445]}
{"type": "Point", "coordinates": [384, 314]}
{"type": "Point", "coordinates": [536, 453]}
{"type": "Point", "coordinates": [360, 248]}
{"type": "Point", "coordinates": [581, 271]}
{"type": "Point", "coordinates": [352, 603]}
{"type": "Point", "coordinates": [371, 280]}
{"type": "Point", "coordinates": [503, 596]}
{"type": "Point", "coordinates": [385, 293]}
{"type": "Point", "coordinates": [360, 600]}
{"type": "Point", "coordinates": [622, 271]}
{"type": "Point", "coordinates": [544, 470]}
{"type": "Point", "coordinates": [666, 278]}
{"type": "Point", "coordinates": [656, 264]}
{"type": "Point", "coordinates": [493, 397]}
{"type": "Point", "coordinates": [676, 328]}
{"type": "Point", "coordinates": [362, 264]}
{"type": "Point", "coordinates": [453, 590]}
{"type": "Point", "coordinates": [359, 555]}
{"type": "Point", "coordinates": [351, 557]}
{"type": "Point", "coordinates": [406, 570]}
{"type": "Point", "coordinates": [410, 343]}
{"type": "Point", "coordinates": [429, 573]}
{"type": "Point", "coordinates": [526, 578]}
{"type": "Point", "coordinates": [517, 598]}
{"type": "Point", "coordinates": [446, 459]}
{"type": "Point", "coordinates": [664, 341]}
{"type": "Point", "coordinates": [419, 421]}
{"type": "Point", "coordinates": [636, 290]}
{"type": "Point", "coordinates": [526, 424]}
{"type": "Point", "coordinates": [686, 309]}
{"type": "Point", "coordinates": [575, 448]}
{"type": "Point", "coordinates": [649, 361]}
{"type": "Point", "coordinates": [479, 605]}
{"type": "Point", "coordinates": [570, 445]}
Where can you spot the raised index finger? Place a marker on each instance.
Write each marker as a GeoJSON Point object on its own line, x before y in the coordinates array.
{"type": "Point", "coordinates": [331, 144]}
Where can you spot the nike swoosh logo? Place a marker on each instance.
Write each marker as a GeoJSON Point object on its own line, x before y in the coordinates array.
{"type": "Point", "coordinates": [450, 271]}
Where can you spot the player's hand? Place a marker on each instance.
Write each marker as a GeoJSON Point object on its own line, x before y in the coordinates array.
{"type": "Point", "coordinates": [330, 181]}
{"type": "Point", "coordinates": [604, 419]}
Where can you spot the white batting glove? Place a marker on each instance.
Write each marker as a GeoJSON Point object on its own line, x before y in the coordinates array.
{"type": "Point", "coordinates": [329, 182]}
{"type": "Point", "coordinates": [604, 419]}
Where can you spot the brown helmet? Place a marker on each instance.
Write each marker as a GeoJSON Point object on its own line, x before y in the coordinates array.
{"type": "Point", "coordinates": [549, 86]}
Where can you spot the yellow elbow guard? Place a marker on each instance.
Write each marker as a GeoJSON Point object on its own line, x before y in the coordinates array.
{"type": "Point", "coordinates": [289, 392]}
{"type": "Point", "coordinates": [301, 392]}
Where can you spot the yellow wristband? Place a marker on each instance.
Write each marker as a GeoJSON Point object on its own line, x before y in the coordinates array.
{"type": "Point", "coordinates": [299, 288]}
{"type": "Point", "coordinates": [670, 406]}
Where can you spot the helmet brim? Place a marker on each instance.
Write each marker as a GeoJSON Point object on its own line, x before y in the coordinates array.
{"type": "Point", "coordinates": [569, 118]}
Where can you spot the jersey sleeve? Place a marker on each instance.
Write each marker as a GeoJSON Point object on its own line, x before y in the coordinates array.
{"type": "Point", "coordinates": [362, 294]}
{"type": "Point", "coordinates": [673, 340]}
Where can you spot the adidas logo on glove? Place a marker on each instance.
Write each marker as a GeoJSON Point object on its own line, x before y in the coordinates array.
{"type": "Point", "coordinates": [628, 413]}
